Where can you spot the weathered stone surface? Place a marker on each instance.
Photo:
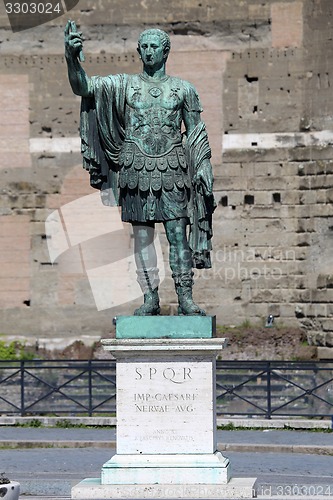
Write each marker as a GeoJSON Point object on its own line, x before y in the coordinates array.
{"type": "Point", "coordinates": [164, 388]}
{"type": "Point", "coordinates": [236, 488]}
{"type": "Point", "coordinates": [269, 76]}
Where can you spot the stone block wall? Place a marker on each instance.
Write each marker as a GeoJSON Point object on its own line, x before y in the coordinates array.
{"type": "Point", "coordinates": [263, 72]}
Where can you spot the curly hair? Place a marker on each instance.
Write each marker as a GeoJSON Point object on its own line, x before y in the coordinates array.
{"type": "Point", "coordinates": [163, 36]}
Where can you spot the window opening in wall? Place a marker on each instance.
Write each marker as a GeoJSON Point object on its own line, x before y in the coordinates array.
{"type": "Point", "coordinates": [277, 197]}
{"type": "Point", "coordinates": [249, 199]}
{"type": "Point", "coordinates": [251, 79]}
{"type": "Point", "coordinates": [224, 201]}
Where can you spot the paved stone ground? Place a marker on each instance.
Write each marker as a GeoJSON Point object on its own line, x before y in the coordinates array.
{"type": "Point", "coordinates": [58, 470]}
{"type": "Point", "coordinates": [247, 438]}
{"type": "Point", "coordinates": [50, 473]}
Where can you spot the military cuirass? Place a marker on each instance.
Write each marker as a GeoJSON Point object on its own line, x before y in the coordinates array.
{"type": "Point", "coordinates": [139, 126]}
{"type": "Point", "coordinates": [153, 114]}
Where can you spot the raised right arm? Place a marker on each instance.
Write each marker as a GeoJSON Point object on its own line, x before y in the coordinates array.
{"type": "Point", "coordinates": [78, 78]}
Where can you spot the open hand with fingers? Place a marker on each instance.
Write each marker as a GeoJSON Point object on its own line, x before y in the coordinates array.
{"type": "Point", "coordinates": [73, 41]}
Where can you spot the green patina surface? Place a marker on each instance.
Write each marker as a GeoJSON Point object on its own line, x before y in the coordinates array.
{"type": "Point", "coordinates": [170, 327]}
{"type": "Point", "coordinates": [146, 148]}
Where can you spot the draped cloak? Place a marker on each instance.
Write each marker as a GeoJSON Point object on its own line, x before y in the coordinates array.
{"type": "Point", "coordinates": [102, 129]}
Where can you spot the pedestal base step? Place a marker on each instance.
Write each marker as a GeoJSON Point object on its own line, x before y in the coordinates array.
{"type": "Point", "coordinates": [209, 468]}
{"type": "Point", "coordinates": [92, 488]}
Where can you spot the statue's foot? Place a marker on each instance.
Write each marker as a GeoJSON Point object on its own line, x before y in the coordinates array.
{"type": "Point", "coordinates": [151, 305]}
{"type": "Point", "coordinates": [190, 308]}
{"type": "Point", "coordinates": [184, 283]}
{"type": "Point", "coordinates": [145, 310]}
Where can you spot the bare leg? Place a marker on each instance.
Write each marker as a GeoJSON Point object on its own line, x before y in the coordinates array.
{"type": "Point", "coordinates": [147, 272]}
{"type": "Point", "coordinates": [181, 266]}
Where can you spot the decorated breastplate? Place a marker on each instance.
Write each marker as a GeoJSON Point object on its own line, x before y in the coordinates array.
{"type": "Point", "coordinates": [153, 115]}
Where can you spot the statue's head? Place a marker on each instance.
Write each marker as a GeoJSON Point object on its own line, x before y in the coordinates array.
{"type": "Point", "coordinates": [162, 36]}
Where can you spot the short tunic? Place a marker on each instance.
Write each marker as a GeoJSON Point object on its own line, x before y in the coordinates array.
{"type": "Point", "coordinates": [153, 188]}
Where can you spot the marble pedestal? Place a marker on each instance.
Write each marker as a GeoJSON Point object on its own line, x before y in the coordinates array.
{"type": "Point", "coordinates": [166, 415]}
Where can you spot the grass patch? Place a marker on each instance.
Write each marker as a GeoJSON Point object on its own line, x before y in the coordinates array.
{"type": "Point", "coordinates": [31, 423]}
{"type": "Point", "coordinates": [231, 427]}
{"type": "Point", "coordinates": [15, 351]}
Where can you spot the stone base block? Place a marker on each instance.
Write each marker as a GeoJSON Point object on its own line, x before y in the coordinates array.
{"type": "Point", "coordinates": [166, 327]}
{"type": "Point", "coordinates": [325, 353]}
{"type": "Point", "coordinates": [211, 468]}
{"type": "Point", "coordinates": [165, 395]}
{"type": "Point", "coordinates": [93, 489]}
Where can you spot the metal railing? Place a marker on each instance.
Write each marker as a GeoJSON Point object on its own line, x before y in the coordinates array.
{"type": "Point", "coordinates": [57, 387]}
{"type": "Point", "coordinates": [275, 388]}
{"type": "Point", "coordinates": [263, 389]}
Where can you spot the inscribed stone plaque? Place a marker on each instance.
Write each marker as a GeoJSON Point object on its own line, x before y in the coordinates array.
{"type": "Point", "coordinates": [166, 406]}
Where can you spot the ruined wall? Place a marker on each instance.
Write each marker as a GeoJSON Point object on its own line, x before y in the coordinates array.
{"type": "Point", "coordinates": [262, 69]}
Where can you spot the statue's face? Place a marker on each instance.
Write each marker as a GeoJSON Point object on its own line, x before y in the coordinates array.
{"type": "Point", "coordinates": [152, 51]}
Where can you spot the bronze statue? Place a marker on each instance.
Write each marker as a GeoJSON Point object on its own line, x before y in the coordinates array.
{"type": "Point", "coordinates": [132, 144]}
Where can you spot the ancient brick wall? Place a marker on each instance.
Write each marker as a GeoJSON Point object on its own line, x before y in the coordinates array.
{"type": "Point", "coordinates": [263, 72]}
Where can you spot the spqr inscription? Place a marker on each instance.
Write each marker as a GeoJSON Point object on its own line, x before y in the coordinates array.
{"type": "Point", "coordinates": [175, 375]}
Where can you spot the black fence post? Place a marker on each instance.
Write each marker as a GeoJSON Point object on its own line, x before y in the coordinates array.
{"type": "Point", "coordinates": [22, 389]}
{"type": "Point", "coordinates": [269, 392]}
{"type": "Point", "coordinates": [90, 387]}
